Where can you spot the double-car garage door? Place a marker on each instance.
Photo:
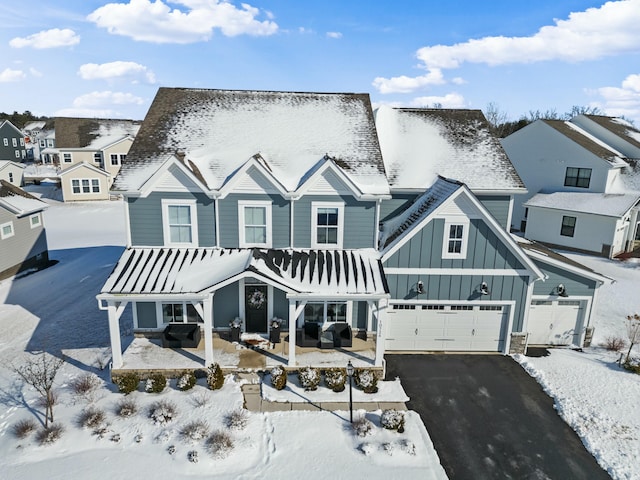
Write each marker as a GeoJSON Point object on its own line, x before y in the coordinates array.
{"type": "Point", "coordinates": [415, 327]}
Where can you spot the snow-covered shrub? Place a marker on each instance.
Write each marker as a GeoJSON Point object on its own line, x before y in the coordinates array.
{"type": "Point", "coordinates": [24, 427]}
{"type": "Point", "coordinates": [162, 412]}
{"type": "Point", "coordinates": [215, 378]}
{"type": "Point", "coordinates": [278, 377]}
{"type": "Point", "coordinates": [366, 379]}
{"type": "Point", "coordinates": [194, 431]}
{"type": "Point", "coordinates": [219, 444]}
{"type": "Point", "coordinates": [389, 447]}
{"type": "Point", "coordinates": [200, 399]}
{"type": "Point", "coordinates": [138, 438]}
{"type": "Point", "coordinates": [156, 383]}
{"type": "Point", "coordinates": [162, 437]}
{"type": "Point", "coordinates": [85, 385]}
{"type": "Point", "coordinates": [363, 427]}
{"type": "Point", "coordinates": [335, 378]}
{"type": "Point", "coordinates": [633, 365]}
{"type": "Point", "coordinates": [115, 438]}
{"type": "Point", "coordinates": [613, 343]}
{"type": "Point", "coordinates": [309, 378]}
{"type": "Point", "coordinates": [50, 434]}
{"type": "Point", "coordinates": [193, 456]}
{"type": "Point", "coordinates": [186, 381]}
{"type": "Point", "coordinates": [126, 408]}
{"type": "Point", "coordinates": [408, 447]}
{"type": "Point", "coordinates": [237, 420]}
{"type": "Point", "coordinates": [366, 448]}
{"type": "Point", "coordinates": [171, 449]}
{"type": "Point", "coordinates": [92, 418]}
{"type": "Point", "coordinates": [392, 419]}
{"type": "Point", "coordinates": [127, 382]}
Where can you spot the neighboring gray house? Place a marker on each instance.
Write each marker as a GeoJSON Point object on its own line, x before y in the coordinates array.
{"type": "Point", "coordinates": [23, 241]}
{"type": "Point", "coordinates": [11, 142]}
{"type": "Point", "coordinates": [257, 205]}
{"type": "Point", "coordinates": [570, 167]}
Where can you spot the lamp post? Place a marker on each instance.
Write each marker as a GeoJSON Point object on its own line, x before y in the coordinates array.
{"type": "Point", "coordinates": [350, 374]}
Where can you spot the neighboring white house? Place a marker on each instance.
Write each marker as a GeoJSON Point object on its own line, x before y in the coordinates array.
{"type": "Point", "coordinates": [583, 187]}
{"type": "Point", "coordinates": [12, 172]}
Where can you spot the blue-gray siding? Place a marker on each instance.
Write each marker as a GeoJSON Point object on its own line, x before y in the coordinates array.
{"type": "Point", "coordinates": [225, 305]}
{"type": "Point", "coordinates": [281, 307]}
{"type": "Point", "coordinates": [498, 206]}
{"type": "Point", "coordinates": [396, 205]}
{"type": "Point", "coordinates": [26, 243]}
{"type": "Point", "coordinates": [145, 218]}
{"type": "Point", "coordinates": [575, 284]}
{"type": "Point", "coordinates": [359, 221]}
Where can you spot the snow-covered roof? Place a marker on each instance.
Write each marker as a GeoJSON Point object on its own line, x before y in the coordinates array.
{"type": "Point", "coordinates": [217, 131]}
{"type": "Point", "coordinates": [92, 133]}
{"type": "Point", "coordinates": [606, 204]}
{"type": "Point", "coordinates": [418, 144]}
{"type": "Point", "coordinates": [18, 201]}
{"type": "Point", "coordinates": [195, 270]}
{"type": "Point", "coordinates": [5, 163]}
{"type": "Point", "coordinates": [423, 206]}
{"type": "Point", "coordinates": [37, 125]}
{"type": "Point", "coordinates": [619, 127]}
{"type": "Point", "coordinates": [587, 141]}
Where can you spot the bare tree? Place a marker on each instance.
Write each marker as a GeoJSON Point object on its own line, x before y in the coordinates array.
{"type": "Point", "coordinates": [40, 373]}
{"type": "Point", "coordinates": [633, 332]}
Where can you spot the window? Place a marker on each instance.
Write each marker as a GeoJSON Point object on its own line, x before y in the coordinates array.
{"type": "Point", "coordinates": [123, 157]}
{"type": "Point", "coordinates": [461, 307]}
{"type": "Point", "coordinates": [114, 159]}
{"type": "Point", "coordinates": [255, 224]}
{"type": "Point", "coordinates": [577, 177]}
{"type": "Point", "coordinates": [42, 144]}
{"type": "Point", "coordinates": [10, 177]}
{"type": "Point", "coordinates": [6, 142]}
{"type": "Point", "coordinates": [568, 226]}
{"type": "Point", "coordinates": [95, 185]}
{"type": "Point", "coordinates": [327, 225]}
{"type": "Point", "coordinates": [66, 157]}
{"type": "Point", "coordinates": [175, 312]}
{"type": "Point", "coordinates": [85, 185]}
{"type": "Point", "coordinates": [17, 153]}
{"type": "Point", "coordinates": [97, 157]}
{"type": "Point", "coordinates": [14, 142]}
{"type": "Point", "coordinates": [322, 312]}
{"type": "Point", "coordinates": [179, 221]}
{"type": "Point", "coordinates": [455, 240]}
{"type": "Point", "coordinates": [22, 142]}
{"type": "Point", "coordinates": [433, 307]}
{"type": "Point", "coordinates": [6, 230]}
{"type": "Point", "coordinates": [34, 220]}
{"type": "Point", "coordinates": [75, 185]}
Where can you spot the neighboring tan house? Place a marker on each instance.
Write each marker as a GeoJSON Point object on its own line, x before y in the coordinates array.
{"type": "Point", "coordinates": [11, 142]}
{"type": "Point", "coordinates": [263, 205]}
{"type": "Point", "coordinates": [12, 172]}
{"type": "Point", "coordinates": [84, 181]}
{"type": "Point", "coordinates": [23, 241]}
{"type": "Point", "coordinates": [583, 191]}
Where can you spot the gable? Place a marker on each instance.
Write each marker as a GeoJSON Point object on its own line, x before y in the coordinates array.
{"type": "Point", "coordinates": [328, 183]}
{"type": "Point", "coordinates": [175, 179]}
{"type": "Point", "coordinates": [253, 181]}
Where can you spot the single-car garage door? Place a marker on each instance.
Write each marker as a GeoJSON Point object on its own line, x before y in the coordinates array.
{"type": "Point", "coordinates": [554, 322]}
{"type": "Point", "coordinates": [415, 327]}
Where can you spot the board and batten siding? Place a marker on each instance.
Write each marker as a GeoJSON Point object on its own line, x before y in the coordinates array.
{"type": "Point", "coordinates": [228, 218]}
{"type": "Point", "coordinates": [145, 218]}
{"type": "Point", "coordinates": [359, 221]}
{"type": "Point", "coordinates": [26, 242]}
{"type": "Point", "coordinates": [499, 206]}
{"type": "Point", "coordinates": [575, 285]}
{"type": "Point", "coordinates": [225, 305]}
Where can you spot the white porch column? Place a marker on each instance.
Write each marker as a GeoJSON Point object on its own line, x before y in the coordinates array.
{"type": "Point", "coordinates": [381, 315]}
{"type": "Point", "coordinates": [114, 310]}
{"type": "Point", "coordinates": [207, 306]}
{"type": "Point", "coordinates": [293, 320]}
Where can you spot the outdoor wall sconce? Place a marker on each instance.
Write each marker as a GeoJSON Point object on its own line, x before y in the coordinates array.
{"type": "Point", "coordinates": [420, 287]}
{"type": "Point", "coordinates": [561, 291]}
{"type": "Point", "coordinates": [484, 288]}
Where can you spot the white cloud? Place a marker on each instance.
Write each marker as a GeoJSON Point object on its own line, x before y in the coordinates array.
{"type": "Point", "coordinates": [334, 34]}
{"type": "Point", "coordinates": [156, 22]}
{"type": "Point", "coordinates": [620, 101]}
{"type": "Point", "coordinates": [611, 29]}
{"type": "Point", "coordinates": [119, 69]}
{"type": "Point", "coordinates": [404, 84]}
{"type": "Point", "coordinates": [9, 75]}
{"type": "Point", "coordinates": [305, 31]}
{"type": "Point", "coordinates": [97, 99]}
{"type": "Point", "coordinates": [450, 100]}
{"type": "Point", "coordinates": [47, 39]}
{"type": "Point", "coordinates": [86, 113]}
{"type": "Point", "coordinates": [35, 73]}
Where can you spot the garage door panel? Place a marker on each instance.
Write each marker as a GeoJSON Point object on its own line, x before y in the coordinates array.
{"type": "Point", "coordinates": [554, 322]}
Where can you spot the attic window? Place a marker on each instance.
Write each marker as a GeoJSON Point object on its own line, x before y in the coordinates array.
{"type": "Point", "coordinates": [454, 243]}
{"type": "Point", "coordinates": [577, 177]}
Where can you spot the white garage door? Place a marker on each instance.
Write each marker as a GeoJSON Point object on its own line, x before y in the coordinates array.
{"type": "Point", "coordinates": [554, 322]}
{"type": "Point", "coordinates": [446, 327]}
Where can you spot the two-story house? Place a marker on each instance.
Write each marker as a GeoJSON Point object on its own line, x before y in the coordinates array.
{"type": "Point", "coordinates": [12, 172]}
{"type": "Point", "coordinates": [91, 152]}
{"type": "Point", "coordinates": [11, 142]}
{"type": "Point", "coordinates": [23, 241]}
{"type": "Point", "coordinates": [259, 205]}
{"type": "Point", "coordinates": [583, 189]}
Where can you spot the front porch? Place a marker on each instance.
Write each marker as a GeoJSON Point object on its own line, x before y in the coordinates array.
{"type": "Point", "coordinates": [145, 355]}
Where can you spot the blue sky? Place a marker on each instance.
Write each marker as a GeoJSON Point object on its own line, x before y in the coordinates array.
{"type": "Point", "coordinates": [93, 58]}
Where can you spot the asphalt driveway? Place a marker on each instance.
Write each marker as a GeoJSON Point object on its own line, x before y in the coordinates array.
{"type": "Point", "coordinates": [489, 419]}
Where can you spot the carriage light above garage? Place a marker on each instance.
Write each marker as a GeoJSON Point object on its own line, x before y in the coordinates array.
{"type": "Point", "coordinates": [561, 291]}
{"type": "Point", "coordinates": [420, 287]}
{"type": "Point", "coordinates": [484, 288]}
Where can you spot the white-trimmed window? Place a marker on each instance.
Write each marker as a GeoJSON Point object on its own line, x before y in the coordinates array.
{"type": "Point", "coordinates": [175, 312]}
{"type": "Point", "coordinates": [35, 220]}
{"type": "Point", "coordinates": [85, 185]}
{"type": "Point", "coordinates": [17, 153]}
{"type": "Point", "coordinates": [179, 222]}
{"type": "Point", "coordinates": [14, 142]}
{"type": "Point", "coordinates": [114, 159]}
{"type": "Point", "coordinates": [454, 243]}
{"type": "Point", "coordinates": [254, 219]}
{"type": "Point", "coordinates": [10, 177]}
{"type": "Point", "coordinates": [6, 142]}
{"type": "Point", "coordinates": [6, 230]}
{"type": "Point", "coordinates": [22, 142]}
{"type": "Point", "coordinates": [97, 157]}
{"type": "Point", "coordinates": [327, 224]}
{"type": "Point", "coordinates": [66, 158]}
{"type": "Point", "coordinates": [328, 311]}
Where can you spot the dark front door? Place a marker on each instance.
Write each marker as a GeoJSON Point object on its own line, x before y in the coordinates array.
{"type": "Point", "coordinates": [255, 307]}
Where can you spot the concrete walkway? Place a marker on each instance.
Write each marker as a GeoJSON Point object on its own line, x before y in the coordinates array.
{"type": "Point", "coordinates": [254, 402]}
